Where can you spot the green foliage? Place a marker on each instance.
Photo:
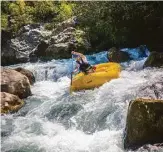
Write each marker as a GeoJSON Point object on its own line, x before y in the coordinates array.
{"type": "Point", "coordinates": [44, 10]}
{"type": "Point", "coordinates": [65, 10]}
{"type": "Point", "coordinates": [5, 7]}
{"type": "Point", "coordinates": [100, 23]}
{"type": "Point", "coordinates": [106, 23]}
{"type": "Point", "coordinates": [49, 26]}
{"type": "Point", "coordinates": [79, 35]}
{"type": "Point", "coordinates": [4, 21]}
{"type": "Point", "coordinates": [19, 16]}
{"type": "Point", "coordinates": [117, 23]}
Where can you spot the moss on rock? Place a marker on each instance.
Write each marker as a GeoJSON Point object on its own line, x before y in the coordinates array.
{"type": "Point", "coordinates": [155, 59]}
{"type": "Point", "coordinates": [144, 123]}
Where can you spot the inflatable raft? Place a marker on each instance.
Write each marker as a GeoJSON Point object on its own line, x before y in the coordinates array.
{"type": "Point", "coordinates": [103, 73]}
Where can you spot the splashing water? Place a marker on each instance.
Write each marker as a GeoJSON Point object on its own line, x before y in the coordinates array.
{"type": "Point", "coordinates": [87, 121]}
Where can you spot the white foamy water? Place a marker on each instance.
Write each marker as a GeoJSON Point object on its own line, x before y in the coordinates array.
{"type": "Point", "coordinates": [87, 121]}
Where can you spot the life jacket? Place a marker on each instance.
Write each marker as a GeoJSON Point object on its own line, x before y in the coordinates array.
{"type": "Point", "coordinates": [83, 66]}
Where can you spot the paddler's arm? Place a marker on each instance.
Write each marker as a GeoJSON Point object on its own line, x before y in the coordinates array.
{"type": "Point", "coordinates": [79, 54]}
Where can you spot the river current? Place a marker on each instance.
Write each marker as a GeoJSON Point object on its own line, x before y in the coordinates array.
{"type": "Point", "coordinates": [53, 120]}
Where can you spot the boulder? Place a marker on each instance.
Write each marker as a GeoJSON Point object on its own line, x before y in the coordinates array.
{"type": "Point", "coordinates": [40, 49]}
{"type": "Point", "coordinates": [63, 43]}
{"type": "Point", "coordinates": [15, 83]}
{"type": "Point", "coordinates": [7, 35]}
{"type": "Point", "coordinates": [34, 42]}
{"type": "Point", "coordinates": [27, 73]}
{"type": "Point", "coordinates": [144, 123]}
{"type": "Point", "coordinates": [18, 49]}
{"type": "Point", "coordinates": [33, 57]}
{"type": "Point", "coordinates": [10, 103]}
{"type": "Point", "coordinates": [65, 24]}
{"type": "Point", "coordinates": [116, 55]}
{"type": "Point", "coordinates": [56, 51]}
{"type": "Point", "coordinates": [64, 36]}
{"type": "Point", "coordinates": [155, 59]}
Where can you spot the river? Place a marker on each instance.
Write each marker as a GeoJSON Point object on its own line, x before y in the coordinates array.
{"type": "Point", "coordinates": [53, 120]}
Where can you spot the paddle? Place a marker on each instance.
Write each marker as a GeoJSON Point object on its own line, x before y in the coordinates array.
{"type": "Point", "coordinates": [71, 76]}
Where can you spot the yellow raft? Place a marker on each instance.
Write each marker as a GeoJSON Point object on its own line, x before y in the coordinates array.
{"type": "Point", "coordinates": [104, 72]}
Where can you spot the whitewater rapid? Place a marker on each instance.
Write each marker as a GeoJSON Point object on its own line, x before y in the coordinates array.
{"type": "Point", "coordinates": [87, 121]}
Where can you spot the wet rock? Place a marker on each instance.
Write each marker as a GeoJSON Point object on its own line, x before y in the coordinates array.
{"type": "Point", "coordinates": [64, 36]}
{"type": "Point", "coordinates": [62, 43]}
{"type": "Point", "coordinates": [144, 123]}
{"type": "Point", "coordinates": [33, 57]}
{"type": "Point", "coordinates": [7, 35]}
{"type": "Point", "coordinates": [10, 103]}
{"type": "Point", "coordinates": [34, 42]}
{"type": "Point", "coordinates": [27, 73]}
{"type": "Point", "coordinates": [40, 50]}
{"type": "Point", "coordinates": [18, 49]}
{"type": "Point", "coordinates": [61, 26]}
{"type": "Point", "coordinates": [57, 51]}
{"type": "Point", "coordinates": [64, 111]}
{"type": "Point", "coordinates": [155, 59]}
{"type": "Point", "coordinates": [15, 83]}
{"type": "Point", "coordinates": [116, 55]}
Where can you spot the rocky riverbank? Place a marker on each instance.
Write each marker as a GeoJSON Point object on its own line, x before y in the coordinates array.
{"type": "Point", "coordinates": [14, 87]}
{"type": "Point", "coordinates": [34, 42]}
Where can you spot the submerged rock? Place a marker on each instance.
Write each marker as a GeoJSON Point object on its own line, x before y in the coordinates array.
{"type": "Point", "coordinates": [64, 111]}
{"type": "Point", "coordinates": [116, 55]}
{"type": "Point", "coordinates": [144, 123]}
{"type": "Point", "coordinates": [10, 103]}
{"type": "Point", "coordinates": [155, 59]}
{"type": "Point", "coordinates": [153, 90]}
{"type": "Point", "coordinates": [27, 73]}
{"type": "Point", "coordinates": [15, 83]}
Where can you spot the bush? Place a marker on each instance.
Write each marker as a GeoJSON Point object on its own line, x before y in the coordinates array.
{"type": "Point", "coordinates": [4, 22]}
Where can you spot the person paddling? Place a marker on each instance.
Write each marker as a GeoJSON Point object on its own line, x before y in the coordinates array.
{"type": "Point", "coordinates": [82, 63]}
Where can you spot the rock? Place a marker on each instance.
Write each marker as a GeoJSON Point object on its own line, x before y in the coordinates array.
{"type": "Point", "coordinates": [10, 103]}
{"type": "Point", "coordinates": [40, 50]}
{"type": "Point", "coordinates": [8, 55]}
{"type": "Point", "coordinates": [27, 73]}
{"type": "Point", "coordinates": [15, 83]}
{"type": "Point", "coordinates": [155, 59]}
{"type": "Point", "coordinates": [65, 24]}
{"type": "Point", "coordinates": [64, 36]}
{"type": "Point", "coordinates": [144, 123]}
{"type": "Point", "coordinates": [33, 57]}
{"type": "Point", "coordinates": [63, 43]}
{"type": "Point", "coordinates": [115, 55]}
{"type": "Point", "coordinates": [7, 35]}
{"type": "Point", "coordinates": [57, 51]}
{"type": "Point", "coordinates": [27, 28]}
{"type": "Point", "coordinates": [34, 42]}
{"type": "Point", "coordinates": [18, 49]}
